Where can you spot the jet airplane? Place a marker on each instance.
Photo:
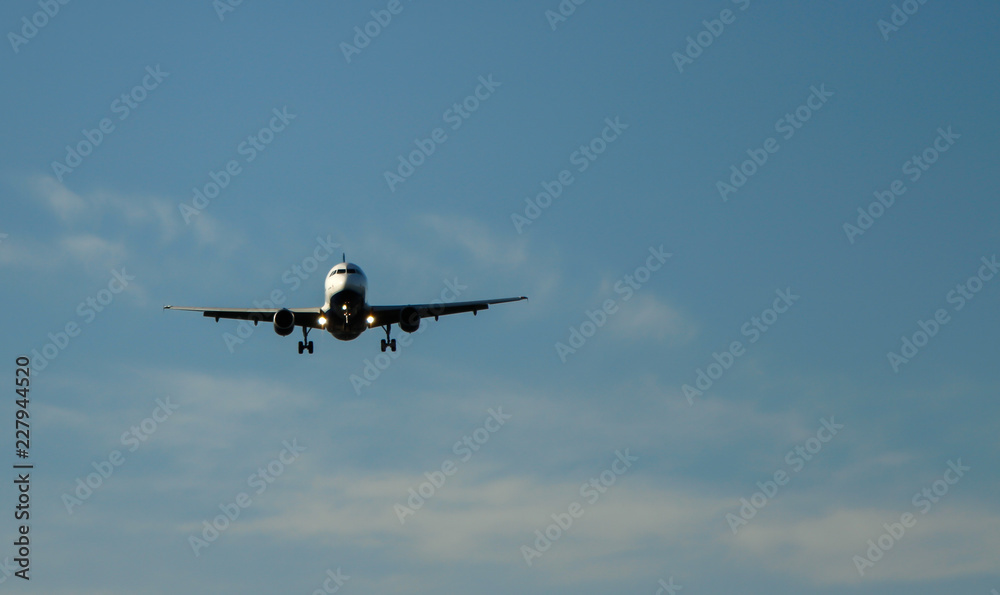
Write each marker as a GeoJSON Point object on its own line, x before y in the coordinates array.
{"type": "Point", "coordinates": [345, 313]}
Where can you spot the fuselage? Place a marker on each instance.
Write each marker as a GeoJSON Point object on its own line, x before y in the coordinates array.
{"type": "Point", "coordinates": [345, 306]}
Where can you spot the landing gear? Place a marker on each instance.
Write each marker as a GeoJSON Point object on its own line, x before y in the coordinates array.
{"type": "Point", "coordinates": [387, 342]}
{"type": "Point", "coordinates": [305, 344]}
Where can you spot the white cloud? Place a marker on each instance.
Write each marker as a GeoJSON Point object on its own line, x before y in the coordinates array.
{"type": "Point", "coordinates": [647, 317]}
{"type": "Point", "coordinates": [64, 203]}
{"type": "Point", "coordinates": [955, 540]}
{"type": "Point", "coordinates": [478, 240]}
{"type": "Point", "coordinates": [91, 249]}
{"type": "Point", "coordinates": [491, 258]}
{"type": "Point", "coordinates": [95, 253]}
{"type": "Point", "coordinates": [488, 521]}
{"type": "Point", "coordinates": [149, 217]}
{"type": "Point", "coordinates": [20, 252]}
{"type": "Point", "coordinates": [214, 409]}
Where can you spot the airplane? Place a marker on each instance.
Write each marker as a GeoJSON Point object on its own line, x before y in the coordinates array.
{"type": "Point", "coordinates": [345, 313]}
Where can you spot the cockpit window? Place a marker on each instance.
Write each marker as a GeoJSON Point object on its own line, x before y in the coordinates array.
{"type": "Point", "coordinates": [343, 272]}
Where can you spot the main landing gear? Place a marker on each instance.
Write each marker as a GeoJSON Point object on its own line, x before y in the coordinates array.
{"type": "Point", "coordinates": [387, 342]}
{"type": "Point", "coordinates": [305, 344]}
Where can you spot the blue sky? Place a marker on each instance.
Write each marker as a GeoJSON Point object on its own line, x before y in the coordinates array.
{"type": "Point", "coordinates": [815, 462]}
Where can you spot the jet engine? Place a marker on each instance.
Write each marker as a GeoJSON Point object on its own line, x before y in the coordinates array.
{"type": "Point", "coordinates": [409, 319]}
{"type": "Point", "coordinates": [284, 322]}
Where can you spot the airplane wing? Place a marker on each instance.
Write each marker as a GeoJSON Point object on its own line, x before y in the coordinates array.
{"type": "Point", "coordinates": [384, 315]}
{"type": "Point", "coordinates": [303, 316]}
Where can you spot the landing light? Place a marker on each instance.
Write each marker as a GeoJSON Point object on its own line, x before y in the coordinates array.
{"type": "Point", "coordinates": [370, 319]}
{"type": "Point", "coordinates": [322, 321]}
